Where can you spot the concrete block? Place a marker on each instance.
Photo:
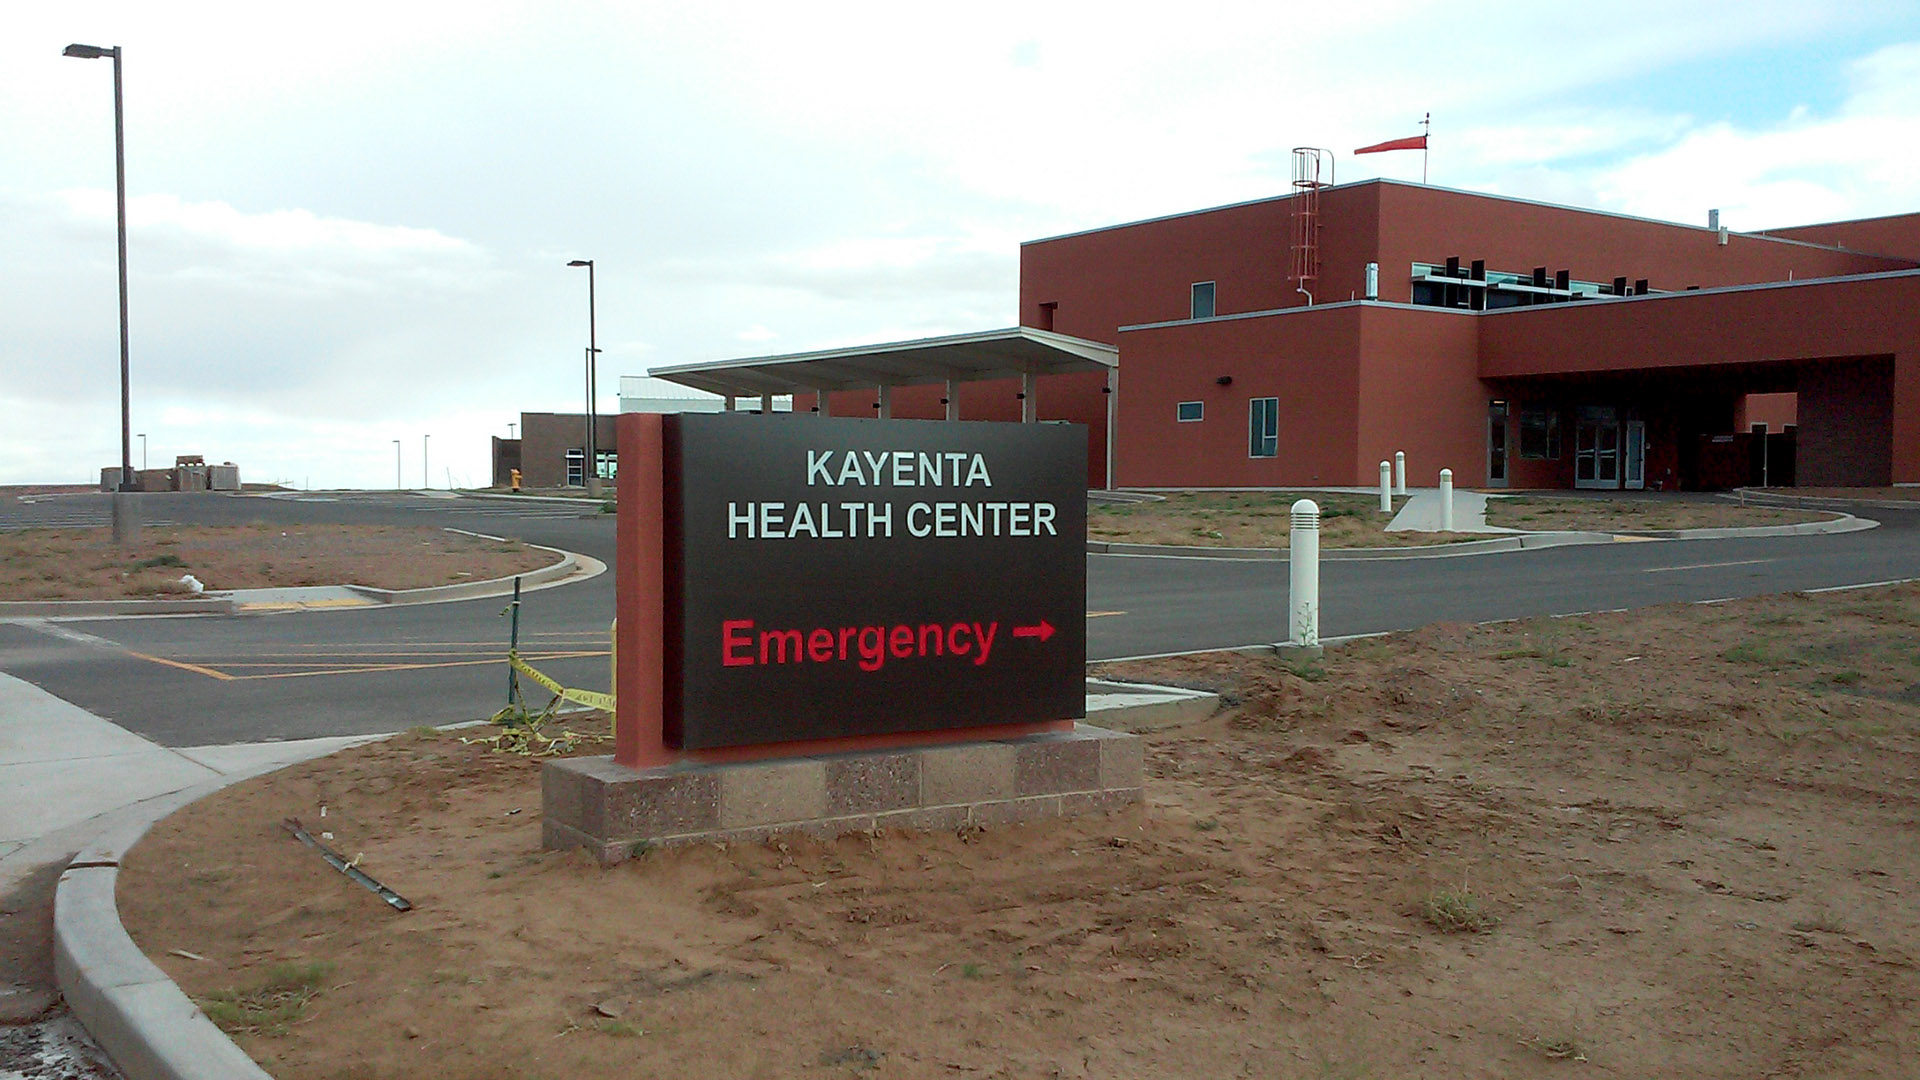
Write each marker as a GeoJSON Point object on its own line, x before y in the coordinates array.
{"type": "Point", "coordinates": [966, 773]}
{"type": "Point", "coordinates": [872, 783]}
{"type": "Point", "coordinates": [1051, 765]}
{"type": "Point", "coordinates": [664, 804]}
{"type": "Point", "coordinates": [1086, 803]}
{"type": "Point", "coordinates": [1122, 763]}
{"type": "Point", "coordinates": [767, 793]}
{"type": "Point", "coordinates": [1016, 811]}
{"type": "Point", "coordinates": [930, 818]}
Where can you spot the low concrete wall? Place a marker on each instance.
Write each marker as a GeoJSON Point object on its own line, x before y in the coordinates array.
{"type": "Point", "coordinates": [612, 810]}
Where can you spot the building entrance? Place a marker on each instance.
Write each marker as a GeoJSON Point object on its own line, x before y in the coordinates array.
{"type": "Point", "coordinates": [1608, 453]}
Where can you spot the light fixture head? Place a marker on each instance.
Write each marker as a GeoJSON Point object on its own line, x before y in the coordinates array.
{"type": "Point", "coordinates": [581, 262]}
{"type": "Point", "coordinates": [86, 52]}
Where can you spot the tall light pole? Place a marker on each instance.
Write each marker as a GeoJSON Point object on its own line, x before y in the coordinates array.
{"type": "Point", "coordinates": [426, 478]}
{"type": "Point", "coordinates": [124, 525]}
{"type": "Point", "coordinates": [592, 471]}
{"type": "Point", "coordinates": [143, 451]}
{"type": "Point", "coordinates": [397, 485]}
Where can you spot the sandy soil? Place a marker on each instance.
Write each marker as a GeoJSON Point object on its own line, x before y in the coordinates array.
{"type": "Point", "coordinates": [1678, 842]}
{"type": "Point", "coordinates": [83, 564]}
{"type": "Point", "coordinates": [1883, 494]}
{"type": "Point", "coordinates": [1251, 519]}
{"type": "Point", "coordinates": [1539, 513]}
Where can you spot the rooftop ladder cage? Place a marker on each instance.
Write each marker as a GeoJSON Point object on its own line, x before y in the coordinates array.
{"type": "Point", "coordinates": [1303, 262]}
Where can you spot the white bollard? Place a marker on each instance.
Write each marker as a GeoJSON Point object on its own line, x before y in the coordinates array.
{"type": "Point", "coordinates": [1303, 577]}
{"type": "Point", "coordinates": [1446, 500]}
{"type": "Point", "coordinates": [1399, 472]}
{"type": "Point", "coordinates": [1386, 488]}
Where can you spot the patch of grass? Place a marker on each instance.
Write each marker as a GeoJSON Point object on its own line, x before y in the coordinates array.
{"type": "Point", "coordinates": [1305, 669]}
{"type": "Point", "coordinates": [1748, 652]}
{"type": "Point", "coordinates": [165, 558]}
{"type": "Point", "coordinates": [1206, 824]}
{"type": "Point", "coordinates": [1846, 678]}
{"type": "Point", "coordinates": [274, 1005]}
{"type": "Point", "coordinates": [619, 1029]}
{"type": "Point", "coordinates": [1456, 911]}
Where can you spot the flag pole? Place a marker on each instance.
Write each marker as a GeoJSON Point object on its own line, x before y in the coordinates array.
{"type": "Point", "coordinates": [1426, 127]}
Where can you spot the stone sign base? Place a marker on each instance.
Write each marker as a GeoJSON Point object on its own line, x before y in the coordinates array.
{"type": "Point", "coordinates": [614, 811]}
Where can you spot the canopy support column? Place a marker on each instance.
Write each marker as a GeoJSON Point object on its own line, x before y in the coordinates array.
{"type": "Point", "coordinates": [886, 403]}
{"type": "Point", "coordinates": [766, 404]}
{"type": "Point", "coordinates": [953, 400]}
{"type": "Point", "coordinates": [1113, 411]}
{"type": "Point", "coordinates": [1029, 402]}
{"type": "Point", "coordinates": [822, 403]}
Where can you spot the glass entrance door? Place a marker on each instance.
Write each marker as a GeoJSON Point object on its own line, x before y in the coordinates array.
{"type": "Point", "coordinates": [1497, 444]}
{"type": "Point", "coordinates": [1596, 453]}
{"type": "Point", "coordinates": [1634, 466]}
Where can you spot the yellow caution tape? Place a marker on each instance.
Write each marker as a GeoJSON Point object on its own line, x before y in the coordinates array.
{"type": "Point", "coordinates": [589, 698]}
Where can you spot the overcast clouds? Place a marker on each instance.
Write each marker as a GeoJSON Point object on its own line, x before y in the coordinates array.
{"type": "Point", "coordinates": [350, 222]}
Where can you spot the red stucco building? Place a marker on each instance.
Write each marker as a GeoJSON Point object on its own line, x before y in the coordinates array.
{"type": "Point", "coordinates": [1517, 343]}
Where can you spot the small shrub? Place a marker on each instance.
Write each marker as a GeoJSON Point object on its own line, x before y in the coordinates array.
{"type": "Point", "coordinates": [1456, 911]}
{"type": "Point", "coordinates": [165, 558]}
{"type": "Point", "coordinates": [271, 1007]}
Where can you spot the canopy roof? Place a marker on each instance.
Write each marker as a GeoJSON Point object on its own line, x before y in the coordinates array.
{"type": "Point", "coordinates": [989, 354]}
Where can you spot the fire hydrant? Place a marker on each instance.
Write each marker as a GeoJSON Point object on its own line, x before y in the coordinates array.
{"type": "Point", "coordinates": [513, 476]}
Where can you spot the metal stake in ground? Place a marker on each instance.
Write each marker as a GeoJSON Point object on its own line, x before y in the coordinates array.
{"type": "Point", "coordinates": [513, 646]}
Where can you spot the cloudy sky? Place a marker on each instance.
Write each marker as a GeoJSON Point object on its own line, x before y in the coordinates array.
{"type": "Point", "coordinates": [350, 222]}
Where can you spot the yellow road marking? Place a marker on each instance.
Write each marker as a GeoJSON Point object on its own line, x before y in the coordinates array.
{"type": "Point", "coordinates": [342, 669]}
{"type": "Point", "coordinates": [400, 667]}
{"type": "Point", "coordinates": [195, 668]}
{"type": "Point", "coordinates": [1102, 614]}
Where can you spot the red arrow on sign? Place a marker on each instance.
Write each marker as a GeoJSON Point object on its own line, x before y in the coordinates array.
{"type": "Point", "coordinates": [1043, 631]}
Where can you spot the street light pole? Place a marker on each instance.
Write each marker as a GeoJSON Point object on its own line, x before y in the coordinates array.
{"type": "Point", "coordinates": [124, 525]}
{"type": "Point", "coordinates": [426, 478]}
{"type": "Point", "coordinates": [397, 485]}
{"type": "Point", "coordinates": [143, 451]}
{"type": "Point", "coordinates": [591, 472]}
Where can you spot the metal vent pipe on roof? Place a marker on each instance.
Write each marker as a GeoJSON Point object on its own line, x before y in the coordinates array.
{"type": "Point", "coordinates": [1713, 220]}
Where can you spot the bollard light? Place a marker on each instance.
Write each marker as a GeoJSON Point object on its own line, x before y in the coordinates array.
{"type": "Point", "coordinates": [1446, 500]}
{"type": "Point", "coordinates": [1386, 488]}
{"type": "Point", "coordinates": [1303, 575]}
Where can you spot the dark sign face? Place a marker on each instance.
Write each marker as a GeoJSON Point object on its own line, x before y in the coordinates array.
{"type": "Point", "coordinates": [832, 577]}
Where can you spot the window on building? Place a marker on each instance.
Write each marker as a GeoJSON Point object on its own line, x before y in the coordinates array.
{"type": "Point", "coordinates": [1540, 434]}
{"type": "Point", "coordinates": [607, 463]}
{"type": "Point", "coordinates": [1263, 427]}
{"type": "Point", "coordinates": [1189, 411]}
{"type": "Point", "coordinates": [1201, 306]}
{"type": "Point", "coordinates": [576, 468]}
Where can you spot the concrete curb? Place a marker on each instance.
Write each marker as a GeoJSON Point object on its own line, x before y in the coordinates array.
{"type": "Point", "coordinates": [1526, 541]}
{"type": "Point", "coordinates": [468, 590]}
{"type": "Point", "coordinates": [232, 603]}
{"type": "Point", "coordinates": [145, 1023]}
{"type": "Point", "coordinates": [1748, 496]}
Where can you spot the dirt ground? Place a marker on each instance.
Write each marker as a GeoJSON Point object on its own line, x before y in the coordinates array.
{"type": "Point", "coordinates": [1264, 518]}
{"type": "Point", "coordinates": [1251, 519]}
{"type": "Point", "coordinates": [83, 564]}
{"type": "Point", "coordinates": [1677, 842]}
{"type": "Point", "coordinates": [1541, 513]}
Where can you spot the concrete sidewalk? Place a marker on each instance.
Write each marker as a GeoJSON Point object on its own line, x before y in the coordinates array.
{"type": "Point", "coordinates": [61, 765]}
{"type": "Point", "coordinates": [1421, 513]}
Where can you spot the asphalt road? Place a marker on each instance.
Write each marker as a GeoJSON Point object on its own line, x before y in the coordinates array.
{"type": "Point", "coordinates": [196, 680]}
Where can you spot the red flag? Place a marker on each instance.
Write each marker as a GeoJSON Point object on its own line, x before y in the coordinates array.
{"type": "Point", "coordinates": [1416, 142]}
